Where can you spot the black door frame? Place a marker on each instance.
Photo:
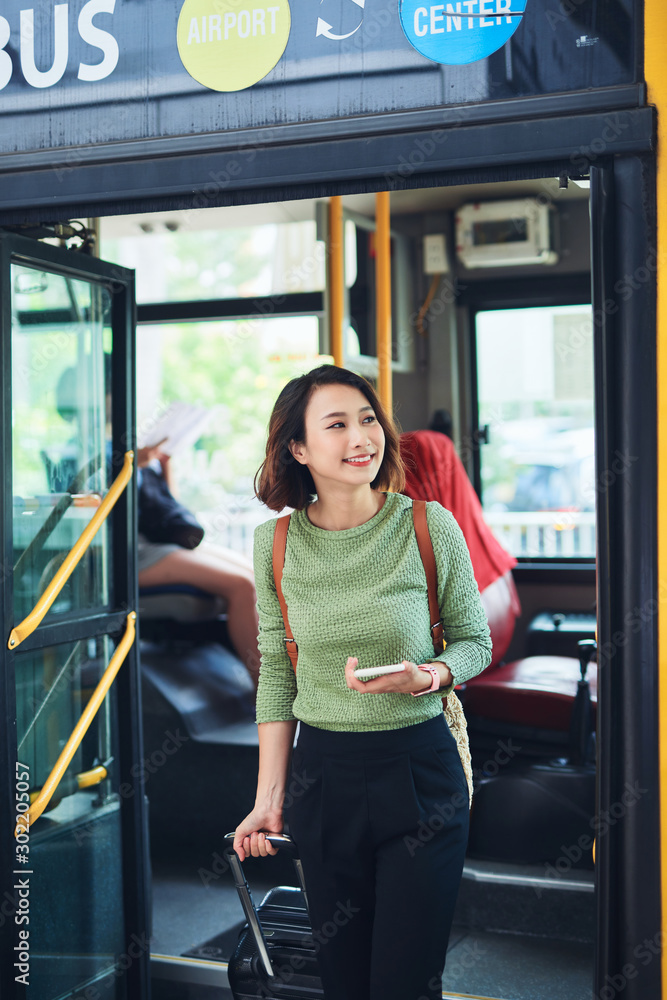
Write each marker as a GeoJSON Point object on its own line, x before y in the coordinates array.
{"type": "Point", "coordinates": [104, 621]}
{"type": "Point", "coordinates": [628, 859]}
{"type": "Point", "coordinates": [623, 235]}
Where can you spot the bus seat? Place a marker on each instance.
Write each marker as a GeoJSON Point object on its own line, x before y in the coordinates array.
{"type": "Point", "coordinates": [502, 607]}
{"type": "Point", "coordinates": [536, 691]}
{"type": "Point", "coordinates": [179, 602]}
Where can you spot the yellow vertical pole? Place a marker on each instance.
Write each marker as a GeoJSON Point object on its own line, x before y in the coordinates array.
{"type": "Point", "coordinates": [655, 70]}
{"type": "Point", "coordinates": [336, 274]}
{"type": "Point", "coordinates": [383, 297]}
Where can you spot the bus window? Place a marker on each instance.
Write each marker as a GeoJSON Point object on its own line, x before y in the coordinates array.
{"type": "Point", "coordinates": [535, 396]}
{"type": "Point", "coordinates": [59, 431]}
{"type": "Point", "coordinates": [236, 369]}
{"type": "Point", "coordinates": [206, 261]}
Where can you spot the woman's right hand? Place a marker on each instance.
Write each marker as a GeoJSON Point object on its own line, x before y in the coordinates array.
{"type": "Point", "coordinates": [249, 836]}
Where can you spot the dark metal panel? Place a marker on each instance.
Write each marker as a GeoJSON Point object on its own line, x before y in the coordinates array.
{"type": "Point", "coordinates": [602, 244]}
{"type": "Point", "coordinates": [134, 818]}
{"type": "Point", "coordinates": [628, 833]}
{"type": "Point", "coordinates": [515, 293]}
{"type": "Point", "coordinates": [247, 142]}
{"type": "Point", "coordinates": [28, 251]}
{"type": "Point", "coordinates": [74, 629]}
{"type": "Point", "coordinates": [283, 304]}
{"type": "Point", "coordinates": [7, 685]}
{"type": "Point", "coordinates": [461, 154]}
{"type": "Point", "coordinates": [567, 49]}
{"type": "Point", "coordinates": [557, 572]}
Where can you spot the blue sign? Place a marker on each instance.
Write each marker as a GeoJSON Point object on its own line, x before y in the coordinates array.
{"type": "Point", "coordinates": [460, 32]}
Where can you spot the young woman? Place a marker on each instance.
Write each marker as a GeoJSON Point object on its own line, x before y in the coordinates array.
{"type": "Point", "coordinates": [379, 807]}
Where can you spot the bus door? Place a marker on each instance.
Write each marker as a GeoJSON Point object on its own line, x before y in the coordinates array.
{"type": "Point", "coordinates": [74, 851]}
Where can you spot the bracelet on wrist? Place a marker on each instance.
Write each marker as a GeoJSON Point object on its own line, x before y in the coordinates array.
{"type": "Point", "coordinates": [435, 682]}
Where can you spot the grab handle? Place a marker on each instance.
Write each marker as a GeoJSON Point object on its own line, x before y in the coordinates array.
{"type": "Point", "coordinates": [80, 730]}
{"type": "Point", "coordinates": [73, 557]}
{"type": "Point", "coordinates": [284, 842]}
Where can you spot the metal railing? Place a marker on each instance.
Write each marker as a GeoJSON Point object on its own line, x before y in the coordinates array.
{"type": "Point", "coordinates": [64, 760]}
{"type": "Point", "coordinates": [31, 621]}
{"type": "Point", "coordinates": [549, 533]}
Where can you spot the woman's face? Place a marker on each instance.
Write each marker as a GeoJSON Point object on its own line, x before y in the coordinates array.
{"type": "Point", "coordinates": [344, 442]}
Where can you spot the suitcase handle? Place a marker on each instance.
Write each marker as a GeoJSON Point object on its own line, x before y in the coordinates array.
{"type": "Point", "coordinates": [284, 842]}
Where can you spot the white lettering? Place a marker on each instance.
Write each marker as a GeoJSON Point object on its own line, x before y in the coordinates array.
{"type": "Point", "coordinates": [421, 12]}
{"type": "Point", "coordinates": [501, 7]}
{"type": "Point", "coordinates": [193, 34]}
{"type": "Point", "coordinates": [469, 4]}
{"type": "Point", "coordinates": [484, 22]}
{"type": "Point", "coordinates": [437, 17]}
{"type": "Point", "coordinates": [215, 28]}
{"type": "Point", "coordinates": [243, 23]}
{"type": "Point", "coordinates": [5, 58]}
{"type": "Point", "coordinates": [272, 12]}
{"type": "Point", "coordinates": [455, 20]}
{"type": "Point", "coordinates": [230, 21]}
{"type": "Point", "coordinates": [98, 39]}
{"type": "Point", "coordinates": [47, 78]}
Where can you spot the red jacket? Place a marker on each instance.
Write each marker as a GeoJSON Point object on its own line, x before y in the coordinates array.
{"type": "Point", "coordinates": [435, 472]}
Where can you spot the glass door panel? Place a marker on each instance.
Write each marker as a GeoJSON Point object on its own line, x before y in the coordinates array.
{"type": "Point", "coordinates": [67, 328]}
{"type": "Point", "coordinates": [61, 386]}
{"type": "Point", "coordinates": [74, 848]}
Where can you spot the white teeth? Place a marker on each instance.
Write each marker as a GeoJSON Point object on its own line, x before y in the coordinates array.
{"type": "Point", "coordinates": [365, 458]}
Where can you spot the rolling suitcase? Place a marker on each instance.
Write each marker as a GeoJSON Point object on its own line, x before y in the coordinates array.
{"type": "Point", "coordinates": [276, 956]}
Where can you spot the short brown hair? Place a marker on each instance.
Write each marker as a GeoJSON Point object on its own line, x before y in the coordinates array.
{"type": "Point", "coordinates": [281, 481]}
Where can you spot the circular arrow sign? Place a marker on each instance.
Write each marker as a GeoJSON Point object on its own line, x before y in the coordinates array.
{"type": "Point", "coordinates": [462, 31]}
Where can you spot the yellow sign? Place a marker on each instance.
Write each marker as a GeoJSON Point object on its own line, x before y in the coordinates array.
{"type": "Point", "coordinates": [232, 44]}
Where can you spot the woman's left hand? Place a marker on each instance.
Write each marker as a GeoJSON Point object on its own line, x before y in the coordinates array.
{"type": "Point", "coordinates": [144, 456]}
{"type": "Point", "coordinates": [412, 679]}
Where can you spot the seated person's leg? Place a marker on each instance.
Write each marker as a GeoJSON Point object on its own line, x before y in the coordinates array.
{"type": "Point", "coordinates": [218, 575]}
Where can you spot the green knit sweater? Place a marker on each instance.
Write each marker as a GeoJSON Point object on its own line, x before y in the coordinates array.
{"type": "Point", "coordinates": [362, 592]}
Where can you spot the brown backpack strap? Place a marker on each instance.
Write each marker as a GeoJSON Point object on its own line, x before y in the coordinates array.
{"type": "Point", "coordinates": [279, 546]}
{"type": "Point", "coordinates": [428, 558]}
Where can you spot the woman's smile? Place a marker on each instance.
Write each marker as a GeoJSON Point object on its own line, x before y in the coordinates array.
{"type": "Point", "coordinates": [362, 460]}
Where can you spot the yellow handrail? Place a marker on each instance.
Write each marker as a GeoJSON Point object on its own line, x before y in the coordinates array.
{"type": "Point", "coordinates": [336, 278]}
{"type": "Point", "coordinates": [81, 728]}
{"type": "Point", "coordinates": [30, 623]}
{"type": "Point", "coordinates": [383, 297]}
{"type": "Point", "coordinates": [88, 779]}
{"type": "Point", "coordinates": [85, 779]}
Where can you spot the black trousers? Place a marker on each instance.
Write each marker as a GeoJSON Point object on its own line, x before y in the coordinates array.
{"type": "Point", "coordinates": [381, 823]}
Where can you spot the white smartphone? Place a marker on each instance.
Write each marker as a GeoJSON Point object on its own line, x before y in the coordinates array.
{"type": "Point", "coordinates": [363, 672]}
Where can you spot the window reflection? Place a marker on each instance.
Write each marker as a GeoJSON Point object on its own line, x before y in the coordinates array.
{"type": "Point", "coordinates": [535, 390]}
{"type": "Point", "coordinates": [61, 383]}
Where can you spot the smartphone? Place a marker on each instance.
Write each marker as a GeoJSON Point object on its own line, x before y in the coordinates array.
{"type": "Point", "coordinates": [365, 672]}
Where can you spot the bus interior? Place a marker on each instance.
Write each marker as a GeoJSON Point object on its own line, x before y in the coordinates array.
{"type": "Point", "coordinates": [492, 346]}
